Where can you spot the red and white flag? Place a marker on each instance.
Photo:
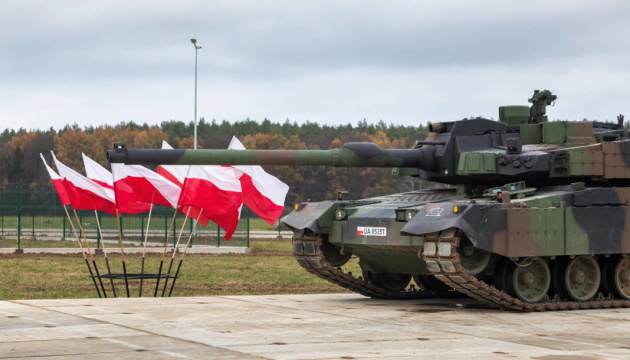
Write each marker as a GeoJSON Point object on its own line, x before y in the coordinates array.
{"type": "Point", "coordinates": [262, 192]}
{"type": "Point", "coordinates": [213, 189]}
{"type": "Point", "coordinates": [95, 172]}
{"type": "Point", "coordinates": [103, 177]}
{"type": "Point", "coordinates": [135, 183]}
{"type": "Point", "coordinates": [57, 182]}
{"type": "Point", "coordinates": [85, 194]}
{"type": "Point", "coordinates": [175, 173]}
{"type": "Point", "coordinates": [217, 191]}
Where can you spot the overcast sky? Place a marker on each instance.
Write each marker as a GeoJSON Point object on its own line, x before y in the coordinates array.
{"type": "Point", "coordinates": [334, 62]}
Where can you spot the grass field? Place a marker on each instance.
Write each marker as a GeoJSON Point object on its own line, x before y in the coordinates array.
{"type": "Point", "coordinates": [270, 269]}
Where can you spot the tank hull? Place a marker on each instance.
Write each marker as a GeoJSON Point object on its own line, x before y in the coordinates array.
{"type": "Point", "coordinates": [555, 248]}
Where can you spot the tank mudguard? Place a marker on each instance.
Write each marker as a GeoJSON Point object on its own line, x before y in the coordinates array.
{"type": "Point", "coordinates": [315, 217]}
{"type": "Point", "coordinates": [481, 223]}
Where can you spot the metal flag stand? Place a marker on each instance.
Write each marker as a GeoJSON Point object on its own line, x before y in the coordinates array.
{"type": "Point", "coordinates": [130, 278]}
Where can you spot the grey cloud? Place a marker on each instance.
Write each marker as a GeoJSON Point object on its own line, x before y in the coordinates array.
{"type": "Point", "coordinates": [305, 59]}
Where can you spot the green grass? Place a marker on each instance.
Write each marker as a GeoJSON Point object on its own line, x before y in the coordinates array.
{"type": "Point", "coordinates": [271, 269]}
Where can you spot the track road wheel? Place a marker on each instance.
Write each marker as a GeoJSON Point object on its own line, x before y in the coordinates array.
{"type": "Point", "coordinates": [528, 279]}
{"type": "Point", "coordinates": [473, 260]}
{"type": "Point", "coordinates": [334, 255]}
{"type": "Point", "coordinates": [388, 281]}
{"type": "Point", "coordinates": [621, 278]}
{"type": "Point", "coordinates": [578, 278]}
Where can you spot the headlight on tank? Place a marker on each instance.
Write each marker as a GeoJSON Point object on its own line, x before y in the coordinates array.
{"type": "Point", "coordinates": [405, 215]}
{"type": "Point", "coordinates": [340, 214]}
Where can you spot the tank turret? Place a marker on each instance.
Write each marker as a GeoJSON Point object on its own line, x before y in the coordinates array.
{"type": "Point", "coordinates": [536, 221]}
{"type": "Point", "coordinates": [523, 145]}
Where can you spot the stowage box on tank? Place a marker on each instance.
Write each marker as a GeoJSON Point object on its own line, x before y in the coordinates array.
{"type": "Point", "coordinates": [537, 218]}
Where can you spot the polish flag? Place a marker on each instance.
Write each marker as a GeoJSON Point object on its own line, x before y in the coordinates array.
{"type": "Point", "coordinates": [95, 172]}
{"type": "Point", "coordinates": [57, 182]}
{"type": "Point", "coordinates": [177, 174]}
{"type": "Point", "coordinates": [217, 191]}
{"type": "Point", "coordinates": [103, 177]}
{"type": "Point", "coordinates": [85, 194]}
{"type": "Point", "coordinates": [262, 192]}
{"type": "Point", "coordinates": [136, 183]}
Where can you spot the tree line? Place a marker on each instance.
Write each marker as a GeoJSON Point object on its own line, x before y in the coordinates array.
{"type": "Point", "coordinates": [20, 162]}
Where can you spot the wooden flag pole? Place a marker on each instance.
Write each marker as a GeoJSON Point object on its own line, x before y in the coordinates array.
{"type": "Point", "coordinates": [87, 263]}
{"type": "Point", "coordinates": [122, 252]}
{"type": "Point", "coordinates": [168, 236]}
{"type": "Point", "coordinates": [144, 251]}
{"type": "Point", "coordinates": [170, 265]}
{"type": "Point", "coordinates": [89, 250]}
{"type": "Point", "coordinates": [109, 270]}
{"type": "Point", "coordinates": [181, 260]}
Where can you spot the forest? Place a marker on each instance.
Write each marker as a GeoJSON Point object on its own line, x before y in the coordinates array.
{"type": "Point", "coordinates": [20, 162]}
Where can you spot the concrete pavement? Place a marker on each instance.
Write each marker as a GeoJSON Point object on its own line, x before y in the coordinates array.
{"type": "Point", "coordinates": [338, 326]}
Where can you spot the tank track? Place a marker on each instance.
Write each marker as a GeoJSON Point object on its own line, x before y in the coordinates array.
{"type": "Point", "coordinates": [442, 258]}
{"type": "Point", "coordinates": [307, 250]}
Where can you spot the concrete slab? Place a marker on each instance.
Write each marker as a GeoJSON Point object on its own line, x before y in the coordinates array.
{"type": "Point", "coordinates": [338, 326]}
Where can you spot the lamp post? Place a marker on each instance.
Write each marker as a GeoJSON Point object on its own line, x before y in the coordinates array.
{"type": "Point", "coordinates": [197, 47]}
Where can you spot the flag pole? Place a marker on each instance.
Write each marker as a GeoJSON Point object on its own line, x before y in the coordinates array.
{"type": "Point", "coordinates": [87, 246]}
{"type": "Point", "coordinates": [170, 265]}
{"type": "Point", "coordinates": [144, 251]}
{"type": "Point", "coordinates": [168, 236]}
{"type": "Point", "coordinates": [181, 260]}
{"type": "Point", "coordinates": [87, 263]}
{"type": "Point", "coordinates": [109, 270]}
{"type": "Point", "coordinates": [122, 252]}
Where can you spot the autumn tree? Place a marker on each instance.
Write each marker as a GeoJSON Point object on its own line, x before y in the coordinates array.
{"type": "Point", "coordinates": [19, 150]}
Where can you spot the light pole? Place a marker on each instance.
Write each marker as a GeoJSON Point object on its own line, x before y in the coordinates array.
{"type": "Point", "coordinates": [197, 47]}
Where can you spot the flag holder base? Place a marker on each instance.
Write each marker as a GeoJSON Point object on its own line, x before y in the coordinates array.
{"type": "Point", "coordinates": [135, 276]}
{"type": "Point", "coordinates": [155, 290]}
{"type": "Point", "coordinates": [114, 279]}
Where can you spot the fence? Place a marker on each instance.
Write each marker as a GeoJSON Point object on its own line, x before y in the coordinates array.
{"type": "Point", "coordinates": [35, 218]}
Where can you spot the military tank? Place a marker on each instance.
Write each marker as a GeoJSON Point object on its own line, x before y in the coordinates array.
{"type": "Point", "coordinates": [536, 216]}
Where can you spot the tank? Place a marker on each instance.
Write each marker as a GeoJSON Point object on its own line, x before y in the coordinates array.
{"type": "Point", "coordinates": [535, 218]}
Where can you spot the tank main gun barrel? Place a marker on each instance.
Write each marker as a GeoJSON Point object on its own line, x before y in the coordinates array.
{"type": "Point", "coordinates": [349, 155]}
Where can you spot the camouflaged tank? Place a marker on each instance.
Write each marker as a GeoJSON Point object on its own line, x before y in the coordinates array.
{"type": "Point", "coordinates": [537, 218]}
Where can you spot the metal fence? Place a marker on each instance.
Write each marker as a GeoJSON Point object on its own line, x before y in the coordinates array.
{"type": "Point", "coordinates": [36, 218]}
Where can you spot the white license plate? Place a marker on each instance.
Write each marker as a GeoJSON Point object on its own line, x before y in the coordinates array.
{"type": "Point", "coordinates": [371, 231]}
